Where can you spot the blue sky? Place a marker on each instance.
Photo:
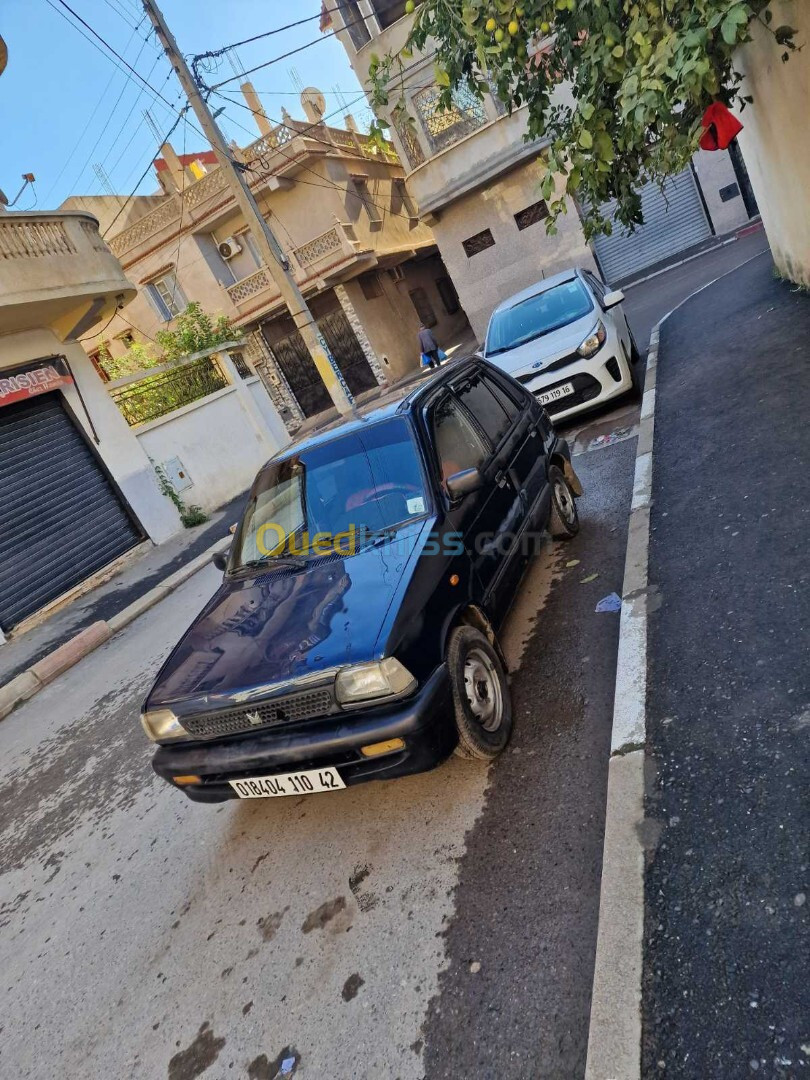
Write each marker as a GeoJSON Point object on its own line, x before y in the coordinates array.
{"type": "Point", "coordinates": [64, 107]}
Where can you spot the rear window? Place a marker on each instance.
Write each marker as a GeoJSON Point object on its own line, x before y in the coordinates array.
{"type": "Point", "coordinates": [538, 315]}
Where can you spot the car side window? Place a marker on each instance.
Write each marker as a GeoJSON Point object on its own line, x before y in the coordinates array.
{"type": "Point", "coordinates": [477, 397]}
{"type": "Point", "coordinates": [458, 444]}
{"type": "Point", "coordinates": [511, 407]}
{"type": "Point", "coordinates": [597, 286]}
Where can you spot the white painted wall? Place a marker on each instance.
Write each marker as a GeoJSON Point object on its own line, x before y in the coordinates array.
{"type": "Point", "coordinates": [221, 440]}
{"type": "Point", "coordinates": [715, 172]}
{"type": "Point", "coordinates": [775, 139]}
{"type": "Point", "coordinates": [117, 446]}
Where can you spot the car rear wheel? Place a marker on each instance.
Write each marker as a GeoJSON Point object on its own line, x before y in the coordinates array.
{"type": "Point", "coordinates": [483, 707]}
{"type": "Point", "coordinates": [564, 520]}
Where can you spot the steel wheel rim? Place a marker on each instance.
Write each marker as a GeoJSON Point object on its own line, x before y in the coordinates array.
{"type": "Point", "coordinates": [483, 690]}
{"type": "Point", "coordinates": [565, 502]}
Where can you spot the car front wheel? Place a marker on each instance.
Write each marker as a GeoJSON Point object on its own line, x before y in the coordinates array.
{"type": "Point", "coordinates": [483, 707]}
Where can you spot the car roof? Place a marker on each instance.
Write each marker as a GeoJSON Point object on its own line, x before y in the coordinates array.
{"type": "Point", "coordinates": [400, 399]}
{"type": "Point", "coordinates": [539, 287]}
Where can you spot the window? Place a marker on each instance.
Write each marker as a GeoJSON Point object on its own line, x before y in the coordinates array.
{"type": "Point", "coordinates": [362, 192]}
{"type": "Point", "coordinates": [596, 285]}
{"type": "Point", "coordinates": [458, 445]}
{"type": "Point", "coordinates": [95, 360]}
{"type": "Point", "coordinates": [531, 215]}
{"type": "Point", "coordinates": [401, 201]}
{"type": "Point", "coordinates": [369, 481]}
{"type": "Point", "coordinates": [444, 127]}
{"type": "Point", "coordinates": [388, 11]}
{"type": "Point", "coordinates": [480, 242]}
{"type": "Point", "coordinates": [166, 296]}
{"type": "Point", "coordinates": [478, 398]}
{"type": "Point", "coordinates": [449, 297]}
{"type": "Point", "coordinates": [424, 308]}
{"type": "Point", "coordinates": [354, 22]}
{"type": "Point", "coordinates": [505, 397]}
{"type": "Point", "coordinates": [370, 284]}
{"type": "Point", "coordinates": [537, 315]}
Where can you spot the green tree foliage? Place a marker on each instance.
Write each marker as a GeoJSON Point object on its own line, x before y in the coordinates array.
{"type": "Point", "coordinates": [195, 330]}
{"type": "Point", "coordinates": [632, 80]}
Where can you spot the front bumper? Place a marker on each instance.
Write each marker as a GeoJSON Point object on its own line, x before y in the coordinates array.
{"type": "Point", "coordinates": [597, 380]}
{"type": "Point", "coordinates": [424, 721]}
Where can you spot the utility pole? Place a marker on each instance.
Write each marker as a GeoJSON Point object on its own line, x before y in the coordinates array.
{"type": "Point", "coordinates": [272, 253]}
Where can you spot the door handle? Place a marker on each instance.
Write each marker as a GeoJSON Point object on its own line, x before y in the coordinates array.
{"type": "Point", "coordinates": [500, 477]}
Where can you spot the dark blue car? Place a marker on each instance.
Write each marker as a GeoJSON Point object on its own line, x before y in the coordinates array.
{"type": "Point", "coordinates": [354, 635]}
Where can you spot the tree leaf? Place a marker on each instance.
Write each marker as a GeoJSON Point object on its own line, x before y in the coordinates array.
{"type": "Point", "coordinates": [587, 110]}
{"type": "Point", "coordinates": [585, 139]}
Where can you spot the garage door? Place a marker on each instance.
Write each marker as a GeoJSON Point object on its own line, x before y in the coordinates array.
{"type": "Point", "coordinates": [673, 220]}
{"type": "Point", "coordinates": [60, 518]}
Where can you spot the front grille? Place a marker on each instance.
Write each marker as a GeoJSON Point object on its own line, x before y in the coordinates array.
{"type": "Point", "coordinates": [585, 388]}
{"type": "Point", "coordinates": [284, 710]}
{"type": "Point", "coordinates": [563, 361]}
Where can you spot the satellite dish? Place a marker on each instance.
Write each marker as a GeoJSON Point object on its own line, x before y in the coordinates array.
{"type": "Point", "coordinates": [3, 198]}
{"type": "Point", "coordinates": [313, 103]}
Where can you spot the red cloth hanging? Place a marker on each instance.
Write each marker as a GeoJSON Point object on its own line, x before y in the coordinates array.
{"type": "Point", "coordinates": [721, 127]}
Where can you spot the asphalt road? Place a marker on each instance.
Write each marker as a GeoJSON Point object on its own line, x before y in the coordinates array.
{"type": "Point", "coordinates": [438, 926]}
{"type": "Point", "coordinates": [726, 989]}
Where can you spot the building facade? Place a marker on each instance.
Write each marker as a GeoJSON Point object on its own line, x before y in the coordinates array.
{"type": "Point", "coordinates": [78, 491]}
{"type": "Point", "coordinates": [369, 268]}
{"type": "Point", "coordinates": [476, 180]}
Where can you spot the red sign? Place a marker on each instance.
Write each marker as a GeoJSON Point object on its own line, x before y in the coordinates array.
{"type": "Point", "coordinates": [32, 379]}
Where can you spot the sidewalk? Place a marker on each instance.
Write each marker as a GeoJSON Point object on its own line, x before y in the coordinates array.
{"type": "Point", "coordinates": [133, 581]}
{"type": "Point", "coordinates": [725, 986]}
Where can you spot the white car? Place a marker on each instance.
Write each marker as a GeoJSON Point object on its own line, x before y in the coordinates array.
{"type": "Point", "coordinates": [567, 340]}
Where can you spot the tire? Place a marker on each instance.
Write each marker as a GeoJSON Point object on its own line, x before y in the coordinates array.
{"type": "Point", "coordinates": [481, 700]}
{"type": "Point", "coordinates": [563, 522]}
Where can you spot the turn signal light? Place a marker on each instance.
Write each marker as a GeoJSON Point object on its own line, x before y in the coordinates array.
{"type": "Point", "coordinates": [187, 779]}
{"type": "Point", "coordinates": [373, 749]}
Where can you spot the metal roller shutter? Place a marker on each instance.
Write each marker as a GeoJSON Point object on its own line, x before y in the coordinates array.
{"type": "Point", "coordinates": [60, 518]}
{"type": "Point", "coordinates": [673, 220]}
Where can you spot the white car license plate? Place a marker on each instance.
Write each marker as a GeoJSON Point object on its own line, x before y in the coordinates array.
{"type": "Point", "coordinates": [554, 395]}
{"type": "Point", "coordinates": [291, 783]}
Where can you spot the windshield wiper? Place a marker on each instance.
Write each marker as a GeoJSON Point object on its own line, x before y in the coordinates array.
{"type": "Point", "coordinates": [295, 562]}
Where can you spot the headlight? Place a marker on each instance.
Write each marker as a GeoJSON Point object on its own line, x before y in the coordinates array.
{"type": "Point", "coordinates": [368, 682]}
{"type": "Point", "coordinates": [594, 341]}
{"type": "Point", "coordinates": [162, 724]}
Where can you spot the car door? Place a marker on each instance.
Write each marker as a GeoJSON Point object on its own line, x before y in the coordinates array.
{"type": "Point", "coordinates": [530, 429]}
{"type": "Point", "coordinates": [483, 518]}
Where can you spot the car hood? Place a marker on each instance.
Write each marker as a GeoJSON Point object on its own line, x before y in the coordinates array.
{"type": "Point", "coordinates": [538, 354]}
{"type": "Point", "coordinates": [258, 632]}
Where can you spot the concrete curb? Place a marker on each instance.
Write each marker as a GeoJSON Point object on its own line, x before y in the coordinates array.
{"type": "Point", "coordinates": [32, 680]}
{"type": "Point", "coordinates": [614, 1038]}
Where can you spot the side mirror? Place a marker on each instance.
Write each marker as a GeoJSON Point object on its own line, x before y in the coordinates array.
{"type": "Point", "coordinates": [464, 483]}
{"type": "Point", "coordinates": [612, 299]}
{"type": "Point", "coordinates": [220, 559]}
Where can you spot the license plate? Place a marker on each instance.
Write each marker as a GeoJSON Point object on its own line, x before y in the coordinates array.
{"type": "Point", "coordinates": [291, 783]}
{"type": "Point", "coordinates": [554, 395]}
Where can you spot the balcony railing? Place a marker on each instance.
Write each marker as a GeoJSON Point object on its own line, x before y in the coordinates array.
{"type": "Point", "coordinates": [335, 246]}
{"type": "Point", "coordinates": [49, 264]}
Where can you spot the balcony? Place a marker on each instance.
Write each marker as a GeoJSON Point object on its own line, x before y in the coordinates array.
{"type": "Point", "coordinates": [56, 271]}
{"type": "Point", "coordinates": [320, 259]}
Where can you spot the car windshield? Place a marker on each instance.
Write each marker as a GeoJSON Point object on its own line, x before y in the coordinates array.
{"type": "Point", "coordinates": [334, 496]}
{"type": "Point", "coordinates": [539, 315]}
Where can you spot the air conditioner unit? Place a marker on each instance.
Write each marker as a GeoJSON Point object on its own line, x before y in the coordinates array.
{"type": "Point", "coordinates": [397, 274]}
{"type": "Point", "coordinates": [229, 247]}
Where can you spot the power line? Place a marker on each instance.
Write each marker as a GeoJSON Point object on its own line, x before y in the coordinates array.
{"type": "Point", "coordinates": [115, 53]}
{"type": "Point", "coordinates": [131, 195]}
{"type": "Point", "coordinates": [97, 106]}
{"type": "Point", "coordinates": [131, 111]}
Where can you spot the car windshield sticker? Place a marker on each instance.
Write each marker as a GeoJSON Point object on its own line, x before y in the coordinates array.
{"type": "Point", "coordinates": [416, 506]}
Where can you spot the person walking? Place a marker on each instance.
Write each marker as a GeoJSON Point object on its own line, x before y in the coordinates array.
{"type": "Point", "coordinates": [429, 346]}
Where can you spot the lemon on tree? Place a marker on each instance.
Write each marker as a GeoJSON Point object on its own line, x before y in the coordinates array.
{"type": "Point", "coordinates": [410, 7]}
{"type": "Point", "coordinates": [491, 25]}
